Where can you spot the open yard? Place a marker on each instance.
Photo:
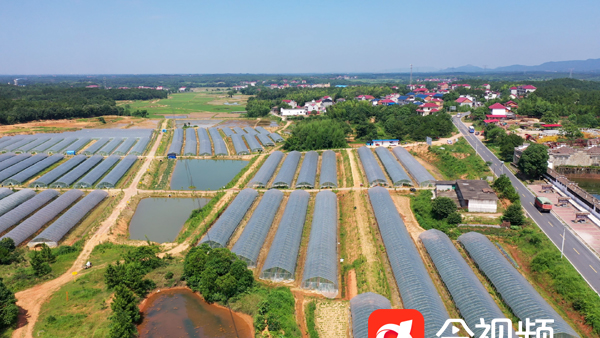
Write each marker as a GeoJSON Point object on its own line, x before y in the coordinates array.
{"type": "Point", "coordinates": [190, 102]}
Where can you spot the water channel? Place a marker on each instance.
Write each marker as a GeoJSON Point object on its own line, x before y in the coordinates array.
{"type": "Point", "coordinates": [161, 219]}
{"type": "Point", "coordinates": [204, 174]}
{"type": "Point", "coordinates": [182, 313]}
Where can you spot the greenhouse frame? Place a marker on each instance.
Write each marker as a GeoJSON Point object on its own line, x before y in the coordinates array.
{"type": "Point", "coordinates": [110, 146]}
{"type": "Point", "coordinates": [414, 168]}
{"type": "Point", "coordinates": [328, 175]}
{"type": "Point", "coordinates": [287, 172]}
{"type": "Point", "coordinates": [60, 145]}
{"type": "Point", "coordinates": [176, 142]}
{"type": "Point", "coordinates": [57, 230]}
{"type": "Point", "coordinates": [276, 137]}
{"type": "Point", "coordinates": [110, 180]}
{"type": "Point", "coordinates": [73, 175]}
{"type": "Point", "coordinates": [239, 145]}
{"type": "Point", "coordinates": [46, 145]}
{"type": "Point", "coordinates": [250, 131]}
{"type": "Point", "coordinates": [470, 296]}
{"type": "Point", "coordinates": [22, 176]}
{"type": "Point", "coordinates": [321, 267]}
{"type": "Point", "coordinates": [16, 145]}
{"type": "Point", "coordinates": [25, 209]}
{"type": "Point", "coordinates": [27, 147]}
{"type": "Point", "coordinates": [76, 146]}
{"type": "Point", "coordinates": [248, 245]}
{"type": "Point", "coordinates": [264, 174]}
{"type": "Point", "coordinates": [261, 130]}
{"type": "Point", "coordinates": [17, 168]}
{"type": "Point", "coordinates": [361, 307]}
{"type": "Point", "coordinates": [393, 168]}
{"type": "Point", "coordinates": [34, 223]}
{"type": "Point", "coordinates": [6, 156]}
{"type": "Point", "coordinates": [308, 171]}
{"type": "Point", "coordinates": [10, 202]}
{"type": "Point", "coordinates": [5, 192]}
{"type": "Point", "coordinates": [416, 288]}
{"type": "Point", "coordinates": [13, 160]}
{"type": "Point", "coordinates": [218, 143]}
{"type": "Point", "coordinates": [220, 233]}
{"type": "Point", "coordinates": [239, 131]}
{"type": "Point", "coordinates": [191, 143]}
{"type": "Point", "coordinates": [57, 172]}
{"type": "Point", "coordinates": [124, 148]}
{"type": "Point", "coordinates": [204, 140]}
{"type": "Point", "coordinates": [140, 146]}
{"type": "Point", "coordinates": [253, 143]}
{"type": "Point", "coordinates": [91, 150]}
{"type": "Point", "coordinates": [227, 131]}
{"type": "Point", "coordinates": [375, 175]}
{"type": "Point", "coordinates": [515, 290]}
{"type": "Point", "coordinates": [265, 140]}
{"type": "Point", "coordinates": [280, 264]}
{"type": "Point", "coordinates": [94, 175]}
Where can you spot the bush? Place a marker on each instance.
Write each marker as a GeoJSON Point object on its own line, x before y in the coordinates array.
{"type": "Point", "coordinates": [514, 214]}
{"type": "Point", "coordinates": [169, 275]}
{"type": "Point", "coordinates": [503, 185]}
{"type": "Point", "coordinates": [277, 312]}
{"type": "Point", "coordinates": [313, 134]}
{"type": "Point", "coordinates": [310, 320]}
{"type": "Point", "coordinates": [454, 218]}
{"type": "Point", "coordinates": [8, 307]}
{"type": "Point", "coordinates": [442, 207]}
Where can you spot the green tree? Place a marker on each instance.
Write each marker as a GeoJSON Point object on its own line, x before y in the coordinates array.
{"type": "Point", "coordinates": [442, 207]}
{"type": "Point", "coordinates": [125, 314]}
{"type": "Point", "coordinates": [514, 214]}
{"type": "Point", "coordinates": [571, 131]}
{"type": "Point", "coordinates": [7, 251]}
{"type": "Point", "coordinates": [454, 218]}
{"type": "Point", "coordinates": [47, 254]}
{"type": "Point", "coordinates": [503, 185]}
{"type": "Point", "coordinates": [8, 307]}
{"type": "Point", "coordinates": [534, 160]}
{"type": "Point", "coordinates": [39, 265]}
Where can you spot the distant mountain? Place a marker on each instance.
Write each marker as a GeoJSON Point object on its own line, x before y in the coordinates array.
{"type": "Point", "coordinates": [578, 66]}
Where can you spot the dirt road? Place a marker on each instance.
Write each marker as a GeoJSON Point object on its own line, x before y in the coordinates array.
{"type": "Point", "coordinates": [355, 171]}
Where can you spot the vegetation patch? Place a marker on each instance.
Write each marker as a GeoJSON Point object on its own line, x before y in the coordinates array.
{"type": "Point", "coordinates": [469, 166]}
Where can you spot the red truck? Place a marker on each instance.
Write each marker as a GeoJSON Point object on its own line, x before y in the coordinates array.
{"type": "Point", "coordinates": [543, 204]}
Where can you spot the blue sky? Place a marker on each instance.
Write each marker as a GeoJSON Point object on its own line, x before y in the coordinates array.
{"type": "Point", "coordinates": [289, 36]}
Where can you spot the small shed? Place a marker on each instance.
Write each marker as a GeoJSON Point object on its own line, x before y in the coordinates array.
{"type": "Point", "coordinates": [171, 156]}
{"type": "Point", "coordinates": [563, 202]}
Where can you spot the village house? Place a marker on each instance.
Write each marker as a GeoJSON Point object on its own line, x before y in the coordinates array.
{"type": "Point", "coordinates": [520, 91]}
{"type": "Point", "coordinates": [293, 111]}
{"type": "Point", "coordinates": [364, 97]}
{"type": "Point", "coordinates": [486, 86]}
{"type": "Point", "coordinates": [291, 103]}
{"type": "Point", "coordinates": [442, 86]}
{"type": "Point", "coordinates": [497, 109]}
{"type": "Point", "coordinates": [473, 195]}
{"type": "Point", "coordinates": [565, 155]}
{"type": "Point", "coordinates": [428, 108]}
{"type": "Point", "coordinates": [464, 101]}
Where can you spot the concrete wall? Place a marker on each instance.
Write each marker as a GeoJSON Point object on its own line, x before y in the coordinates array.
{"type": "Point", "coordinates": [482, 206]}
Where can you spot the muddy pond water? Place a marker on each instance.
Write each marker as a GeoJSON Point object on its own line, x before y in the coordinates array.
{"type": "Point", "coordinates": [161, 219]}
{"type": "Point", "coordinates": [205, 174]}
{"type": "Point", "coordinates": [591, 185]}
{"type": "Point", "coordinates": [182, 313]}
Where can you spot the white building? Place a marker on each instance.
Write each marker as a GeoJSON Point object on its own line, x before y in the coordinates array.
{"type": "Point", "coordinates": [497, 109]}
{"type": "Point", "coordinates": [473, 195]}
{"type": "Point", "coordinates": [293, 112]}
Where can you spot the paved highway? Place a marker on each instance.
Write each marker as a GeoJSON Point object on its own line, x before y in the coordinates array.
{"type": "Point", "coordinates": [584, 260]}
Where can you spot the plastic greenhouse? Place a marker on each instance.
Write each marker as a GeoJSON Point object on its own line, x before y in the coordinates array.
{"type": "Point", "coordinates": [33, 170]}
{"type": "Point", "coordinates": [31, 145]}
{"type": "Point", "coordinates": [308, 171]}
{"type": "Point", "coordinates": [76, 146]}
{"type": "Point", "coordinates": [111, 179]}
{"type": "Point", "coordinates": [286, 173]}
{"type": "Point", "coordinates": [219, 234]}
{"type": "Point", "coordinates": [239, 130]}
{"type": "Point", "coordinates": [191, 143]}
{"type": "Point", "coordinates": [253, 143]}
{"type": "Point", "coordinates": [34, 223]}
{"type": "Point", "coordinates": [94, 175]}
{"type": "Point", "coordinates": [264, 174]}
{"type": "Point", "coordinates": [321, 267]}
{"type": "Point", "coordinates": [416, 287]}
{"type": "Point", "coordinates": [227, 131]}
{"type": "Point", "coordinates": [361, 307]}
{"type": "Point", "coordinates": [218, 143]}
{"type": "Point", "coordinates": [57, 148]}
{"type": "Point", "coordinates": [5, 192]}
{"type": "Point", "coordinates": [280, 264]}
{"type": "Point", "coordinates": [13, 160]}
{"type": "Point", "coordinates": [73, 175]}
{"type": "Point", "coordinates": [239, 145]}
{"type": "Point", "coordinates": [204, 140]}
{"type": "Point", "coordinates": [261, 130]}
{"type": "Point", "coordinates": [57, 230]}
{"type": "Point", "coordinates": [124, 148]}
{"type": "Point", "coordinates": [91, 150]}
{"type": "Point", "coordinates": [176, 142]}
{"type": "Point", "coordinates": [276, 137]}
{"type": "Point", "coordinates": [328, 176]}
{"type": "Point", "coordinates": [250, 131]}
{"type": "Point", "coordinates": [18, 167]}
{"type": "Point", "coordinates": [6, 156]}
{"type": "Point", "coordinates": [140, 146]}
{"type": "Point", "coordinates": [375, 175]}
{"type": "Point", "coordinates": [470, 296]}
{"type": "Point", "coordinates": [57, 172]}
{"type": "Point", "coordinates": [515, 290]}
{"type": "Point", "coordinates": [393, 168]}
{"type": "Point", "coordinates": [25, 209]}
{"type": "Point", "coordinates": [265, 140]}
{"type": "Point", "coordinates": [414, 168]}
{"type": "Point", "coordinates": [10, 202]}
{"type": "Point", "coordinates": [248, 246]}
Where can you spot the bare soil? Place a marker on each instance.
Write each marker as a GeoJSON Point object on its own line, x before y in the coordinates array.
{"type": "Point", "coordinates": [331, 319]}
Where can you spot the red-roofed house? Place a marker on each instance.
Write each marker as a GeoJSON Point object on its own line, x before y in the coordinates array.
{"type": "Point", "coordinates": [364, 97]}
{"type": "Point", "coordinates": [386, 102]}
{"type": "Point", "coordinates": [291, 103]}
{"type": "Point", "coordinates": [442, 86]}
{"type": "Point", "coordinates": [522, 90]}
{"type": "Point", "coordinates": [420, 90]}
{"type": "Point", "coordinates": [497, 109]}
{"type": "Point", "coordinates": [464, 101]}
{"type": "Point", "coordinates": [511, 105]}
{"type": "Point", "coordinates": [428, 108]}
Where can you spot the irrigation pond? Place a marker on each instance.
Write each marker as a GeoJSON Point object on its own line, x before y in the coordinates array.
{"type": "Point", "coordinates": [204, 174]}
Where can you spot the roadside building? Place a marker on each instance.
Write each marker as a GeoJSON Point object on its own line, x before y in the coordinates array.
{"type": "Point", "coordinates": [464, 101]}
{"type": "Point", "coordinates": [497, 109]}
{"type": "Point", "coordinates": [293, 112]}
{"type": "Point", "coordinates": [383, 143]}
{"type": "Point", "coordinates": [473, 195]}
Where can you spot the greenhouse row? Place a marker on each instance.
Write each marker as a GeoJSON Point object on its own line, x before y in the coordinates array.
{"type": "Point", "coordinates": [375, 175]}
{"type": "Point", "coordinates": [191, 142]}
{"type": "Point", "coordinates": [57, 230]}
{"type": "Point", "coordinates": [95, 174]}
{"type": "Point", "coordinates": [280, 264]}
{"type": "Point", "coordinates": [110, 180]}
{"type": "Point", "coordinates": [361, 307]}
{"type": "Point", "coordinates": [220, 233]}
{"type": "Point", "coordinates": [176, 142]}
{"type": "Point", "coordinates": [239, 145]}
{"type": "Point", "coordinates": [36, 221]}
{"type": "Point", "coordinates": [417, 290]}
{"type": "Point", "coordinates": [266, 171]}
{"type": "Point", "coordinates": [393, 168]}
{"type": "Point", "coordinates": [227, 131]}
{"type": "Point", "coordinates": [253, 143]}
{"type": "Point", "coordinates": [414, 168]}
{"type": "Point", "coordinates": [328, 177]}
{"type": "Point", "coordinates": [321, 265]}
{"type": "Point", "coordinates": [287, 172]}
{"type": "Point", "coordinates": [218, 143]}
{"type": "Point", "coordinates": [25, 209]}
{"type": "Point", "coordinates": [515, 290]}
{"type": "Point", "coordinates": [204, 140]}
{"type": "Point", "coordinates": [251, 135]}
{"type": "Point", "coordinates": [69, 178]}
{"type": "Point", "coordinates": [23, 165]}
{"type": "Point", "coordinates": [23, 175]}
{"type": "Point", "coordinates": [248, 246]}
{"type": "Point", "coordinates": [308, 171]}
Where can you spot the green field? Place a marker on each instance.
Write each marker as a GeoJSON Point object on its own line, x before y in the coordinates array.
{"type": "Point", "coordinates": [190, 102]}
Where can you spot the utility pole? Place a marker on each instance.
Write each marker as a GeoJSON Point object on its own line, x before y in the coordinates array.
{"type": "Point", "coordinates": [410, 74]}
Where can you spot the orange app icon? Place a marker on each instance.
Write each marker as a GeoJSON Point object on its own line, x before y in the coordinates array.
{"type": "Point", "coordinates": [396, 323]}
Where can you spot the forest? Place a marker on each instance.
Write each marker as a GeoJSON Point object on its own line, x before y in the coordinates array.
{"type": "Point", "coordinates": [41, 102]}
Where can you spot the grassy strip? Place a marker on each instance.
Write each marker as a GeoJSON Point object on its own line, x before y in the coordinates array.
{"type": "Point", "coordinates": [382, 287]}
{"type": "Point", "coordinates": [164, 178]}
{"type": "Point", "coordinates": [310, 319]}
{"type": "Point", "coordinates": [347, 169]}
{"type": "Point", "coordinates": [208, 223]}
{"type": "Point", "coordinates": [251, 175]}
{"type": "Point", "coordinates": [233, 182]}
{"type": "Point", "coordinates": [459, 160]}
{"type": "Point", "coordinates": [197, 216]}
{"type": "Point", "coordinates": [164, 143]}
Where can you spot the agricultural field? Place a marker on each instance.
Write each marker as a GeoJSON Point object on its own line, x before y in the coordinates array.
{"type": "Point", "coordinates": [199, 102]}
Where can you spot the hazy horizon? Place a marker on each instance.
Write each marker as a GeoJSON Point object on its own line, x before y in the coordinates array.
{"type": "Point", "coordinates": [72, 37]}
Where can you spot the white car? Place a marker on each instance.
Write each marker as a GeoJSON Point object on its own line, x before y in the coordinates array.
{"type": "Point", "coordinates": [449, 141]}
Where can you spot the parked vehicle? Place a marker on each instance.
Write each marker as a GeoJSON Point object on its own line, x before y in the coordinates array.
{"type": "Point", "coordinates": [477, 133]}
{"type": "Point", "coordinates": [471, 129]}
{"type": "Point", "coordinates": [543, 204]}
{"type": "Point", "coordinates": [449, 141]}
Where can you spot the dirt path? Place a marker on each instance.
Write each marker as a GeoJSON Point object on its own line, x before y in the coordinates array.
{"type": "Point", "coordinates": [366, 238]}
{"type": "Point", "coordinates": [300, 313]}
{"type": "Point", "coordinates": [403, 207]}
{"type": "Point", "coordinates": [30, 301]}
{"type": "Point", "coordinates": [250, 170]}
{"type": "Point", "coordinates": [355, 173]}
{"type": "Point", "coordinates": [352, 288]}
